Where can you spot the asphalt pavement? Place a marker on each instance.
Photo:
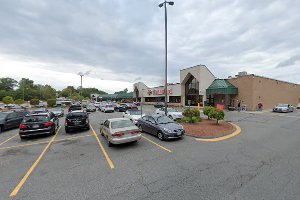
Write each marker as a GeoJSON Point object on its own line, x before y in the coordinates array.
{"type": "Point", "coordinates": [262, 162]}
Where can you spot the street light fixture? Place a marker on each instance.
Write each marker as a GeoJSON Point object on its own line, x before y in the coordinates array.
{"type": "Point", "coordinates": [171, 3]}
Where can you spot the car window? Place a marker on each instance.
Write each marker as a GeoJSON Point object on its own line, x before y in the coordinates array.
{"type": "Point", "coordinates": [12, 115]}
{"type": "Point", "coordinates": [150, 119]}
{"type": "Point", "coordinates": [3, 115]}
{"type": "Point", "coordinates": [36, 118]}
{"type": "Point", "coordinates": [106, 123]}
{"type": "Point", "coordinates": [145, 118]}
{"type": "Point", "coordinates": [121, 124]}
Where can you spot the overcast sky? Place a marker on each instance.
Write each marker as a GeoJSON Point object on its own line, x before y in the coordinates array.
{"type": "Point", "coordinates": [120, 42]}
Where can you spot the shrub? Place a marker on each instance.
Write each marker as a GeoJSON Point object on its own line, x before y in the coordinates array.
{"type": "Point", "coordinates": [191, 116]}
{"type": "Point", "coordinates": [19, 101]}
{"type": "Point", "coordinates": [34, 102]}
{"type": "Point", "coordinates": [216, 114]}
{"type": "Point", "coordinates": [207, 109]}
{"type": "Point", "coordinates": [7, 100]}
{"type": "Point", "coordinates": [51, 102]}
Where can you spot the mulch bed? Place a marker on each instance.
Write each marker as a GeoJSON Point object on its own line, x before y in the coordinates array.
{"type": "Point", "coordinates": [208, 129]}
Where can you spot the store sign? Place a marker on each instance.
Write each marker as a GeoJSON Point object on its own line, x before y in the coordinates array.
{"type": "Point", "coordinates": [159, 92]}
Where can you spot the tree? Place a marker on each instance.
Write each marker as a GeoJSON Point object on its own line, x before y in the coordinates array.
{"type": "Point", "coordinates": [51, 102]}
{"type": "Point", "coordinates": [68, 91]}
{"type": "Point", "coordinates": [19, 101]}
{"type": "Point", "coordinates": [7, 84]}
{"type": "Point", "coordinates": [122, 92]}
{"type": "Point", "coordinates": [8, 100]}
{"type": "Point", "coordinates": [216, 114]}
{"type": "Point", "coordinates": [34, 102]}
{"type": "Point", "coordinates": [207, 110]}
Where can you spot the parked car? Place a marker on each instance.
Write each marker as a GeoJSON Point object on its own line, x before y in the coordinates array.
{"type": "Point", "coordinates": [78, 119]}
{"type": "Point", "coordinates": [101, 107]}
{"type": "Point", "coordinates": [90, 108]}
{"type": "Point", "coordinates": [58, 112]}
{"type": "Point", "coordinates": [11, 119]}
{"type": "Point", "coordinates": [75, 107]}
{"type": "Point", "coordinates": [121, 108]}
{"type": "Point", "coordinates": [38, 124]}
{"type": "Point", "coordinates": [172, 113]}
{"type": "Point", "coordinates": [283, 108]}
{"type": "Point", "coordinates": [298, 106]}
{"type": "Point", "coordinates": [119, 131]}
{"type": "Point", "coordinates": [133, 115]}
{"type": "Point", "coordinates": [97, 104]}
{"type": "Point", "coordinates": [39, 110]}
{"type": "Point", "coordinates": [108, 108]}
{"type": "Point", "coordinates": [159, 105]}
{"type": "Point", "coordinates": [161, 126]}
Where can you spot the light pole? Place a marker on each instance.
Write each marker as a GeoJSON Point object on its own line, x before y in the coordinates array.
{"type": "Point", "coordinates": [171, 3]}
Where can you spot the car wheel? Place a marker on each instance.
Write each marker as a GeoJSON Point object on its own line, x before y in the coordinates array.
{"type": "Point", "coordinates": [22, 137]}
{"type": "Point", "coordinates": [141, 128]}
{"type": "Point", "coordinates": [101, 133]}
{"type": "Point", "coordinates": [109, 143]}
{"type": "Point", "coordinates": [67, 130]}
{"type": "Point", "coordinates": [170, 116]}
{"type": "Point", "coordinates": [88, 127]}
{"type": "Point", "coordinates": [160, 135]}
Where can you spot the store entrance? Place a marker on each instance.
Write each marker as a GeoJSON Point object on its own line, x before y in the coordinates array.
{"type": "Point", "coordinates": [192, 92]}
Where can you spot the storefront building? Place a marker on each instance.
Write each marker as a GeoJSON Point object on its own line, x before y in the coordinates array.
{"type": "Point", "coordinates": [199, 85]}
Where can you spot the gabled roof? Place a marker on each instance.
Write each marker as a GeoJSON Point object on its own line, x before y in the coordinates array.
{"type": "Point", "coordinates": [221, 86]}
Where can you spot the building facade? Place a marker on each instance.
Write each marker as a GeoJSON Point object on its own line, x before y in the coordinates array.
{"type": "Point", "coordinates": [199, 85]}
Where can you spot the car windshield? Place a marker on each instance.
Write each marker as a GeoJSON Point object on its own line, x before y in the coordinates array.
{"type": "Point", "coordinates": [164, 120]}
{"type": "Point", "coordinates": [282, 105]}
{"type": "Point", "coordinates": [121, 124]}
{"type": "Point", "coordinates": [172, 110]}
{"type": "Point", "coordinates": [135, 112]}
{"type": "Point", "coordinates": [2, 115]}
{"type": "Point", "coordinates": [36, 118]}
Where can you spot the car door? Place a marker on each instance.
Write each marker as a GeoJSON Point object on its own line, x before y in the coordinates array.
{"type": "Point", "coordinates": [152, 125]}
{"type": "Point", "coordinates": [11, 120]}
{"type": "Point", "coordinates": [105, 129]}
{"type": "Point", "coordinates": [20, 116]}
{"type": "Point", "coordinates": [144, 123]}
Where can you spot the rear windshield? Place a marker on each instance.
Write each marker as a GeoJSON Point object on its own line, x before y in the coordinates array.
{"type": "Point", "coordinates": [76, 115]}
{"type": "Point", "coordinates": [135, 112]}
{"type": "Point", "coordinates": [36, 118]}
{"type": "Point", "coordinates": [121, 124]}
{"type": "Point", "coordinates": [108, 106]}
{"type": "Point", "coordinates": [75, 108]}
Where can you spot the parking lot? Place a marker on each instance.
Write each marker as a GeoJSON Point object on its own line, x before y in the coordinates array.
{"type": "Point", "coordinates": [260, 163]}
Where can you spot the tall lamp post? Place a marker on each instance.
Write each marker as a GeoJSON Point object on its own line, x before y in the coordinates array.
{"type": "Point", "coordinates": [81, 75]}
{"type": "Point", "coordinates": [171, 3]}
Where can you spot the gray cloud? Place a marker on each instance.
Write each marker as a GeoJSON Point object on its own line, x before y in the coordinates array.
{"type": "Point", "coordinates": [291, 61]}
{"type": "Point", "coordinates": [122, 40]}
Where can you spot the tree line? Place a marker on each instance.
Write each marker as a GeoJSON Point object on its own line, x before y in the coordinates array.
{"type": "Point", "coordinates": [26, 90]}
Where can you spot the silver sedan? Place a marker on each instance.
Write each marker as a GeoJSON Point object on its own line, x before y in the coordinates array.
{"type": "Point", "coordinates": [119, 131]}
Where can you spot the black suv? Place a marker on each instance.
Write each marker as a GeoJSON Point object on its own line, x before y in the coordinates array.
{"type": "Point", "coordinates": [74, 107]}
{"type": "Point", "coordinates": [11, 119]}
{"type": "Point", "coordinates": [77, 120]}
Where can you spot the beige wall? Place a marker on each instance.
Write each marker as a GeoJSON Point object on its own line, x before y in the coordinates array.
{"type": "Point", "coordinates": [255, 89]}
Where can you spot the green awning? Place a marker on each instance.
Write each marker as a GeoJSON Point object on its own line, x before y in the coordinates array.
{"type": "Point", "coordinates": [221, 86]}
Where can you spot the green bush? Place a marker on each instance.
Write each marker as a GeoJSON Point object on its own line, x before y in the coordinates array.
{"type": "Point", "coordinates": [191, 116]}
{"type": "Point", "coordinates": [34, 102]}
{"type": "Point", "coordinates": [19, 101]}
{"type": "Point", "coordinates": [207, 109]}
{"type": "Point", "coordinates": [216, 114]}
{"type": "Point", "coordinates": [7, 100]}
{"type": "Point", "coordinates": [51, 102]}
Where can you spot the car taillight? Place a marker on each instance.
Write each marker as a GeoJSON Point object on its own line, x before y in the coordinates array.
{"type": "Point", "coordinates": [22, 126]}
{"type": "Point", "coordinates": [135, 132]}
{"type": "Point", "coordinates": [117, 134]}
{"type": "Point", "coordinates": [66, 122]}
{"type": "Point", "coordinates": [48, 124]}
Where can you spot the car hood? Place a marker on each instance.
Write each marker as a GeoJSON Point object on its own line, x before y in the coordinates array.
{"type": "Point", "coordinates": [171, 126]}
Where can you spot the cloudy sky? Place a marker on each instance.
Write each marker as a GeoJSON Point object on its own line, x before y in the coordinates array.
{"type": "Point", "coordinates": [119, 42]}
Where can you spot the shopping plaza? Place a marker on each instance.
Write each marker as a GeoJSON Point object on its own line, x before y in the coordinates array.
{"type": "Point", "coordinates": [198, 85]}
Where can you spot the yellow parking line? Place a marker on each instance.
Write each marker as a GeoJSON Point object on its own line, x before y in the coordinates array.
{"type": "Point", "coordinates": [236, 132]}
{"type": "Point", "coordinates": [168, 150]}
{"type": "Point", "coordinates": [8, 139]}
{"type": "Point", "coordinates": [36, 143]}
{"type": "Point", "coordinates": [110, 163]}
{"type": "Point", "coordinates": [19, 186]}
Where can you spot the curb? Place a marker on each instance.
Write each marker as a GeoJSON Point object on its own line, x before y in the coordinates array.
{"type": "Point", "coordinates": [235, 133]}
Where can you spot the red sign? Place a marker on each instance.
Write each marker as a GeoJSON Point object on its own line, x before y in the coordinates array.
{"type": "Point", "coordinates": [160, 92]}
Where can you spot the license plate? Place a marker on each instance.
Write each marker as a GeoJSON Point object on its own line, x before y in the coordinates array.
{"type": "Point", "coordinates": [35, 126]}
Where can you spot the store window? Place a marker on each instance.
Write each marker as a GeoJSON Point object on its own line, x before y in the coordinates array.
{"type": "Point", "coordinates": [192, 92]}
{"type": "Point", "coordinates": [174, 99]}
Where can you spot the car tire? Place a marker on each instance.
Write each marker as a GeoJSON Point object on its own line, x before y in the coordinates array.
{"type": "Point", "coordinates": [101, 133]}
{"type": "Point", "coordinates": [109, 143]}
{"type": "Point", "coordinates": [141, 128]}
{"type": "Point", "coordinates": [160, 135]}
{"type": "Point", "coordinates": [67, 130]}
{"type": "Point", "coordinates": [170, 116]}
{"type": "Point", "coordinates": [22, 137]}
{"type": "Point", "coordinates": [88, 127]}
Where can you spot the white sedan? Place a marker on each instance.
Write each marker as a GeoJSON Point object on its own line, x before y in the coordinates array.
{"type": "Point", "coordinates": [133, 115]}
{"type": "Point", "coordinates": [172, 113]}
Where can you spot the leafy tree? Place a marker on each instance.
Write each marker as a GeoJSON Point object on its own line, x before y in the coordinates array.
{"type": "Point", "coordinates": [207, 109]}
{"type": "Point", "coordinates": [8, 100]}
{"type": "Point", "coordinates": [51, 102]}
{"type": "Point", "coordinates": [34, 102]}
{"type": "Point", "coordinates": [68, 91]}
{"type": "Point", "coordinates": [7, 84]}
{"type": "Point", "coordinates": [191, 115]}
{"type": "Point", "coordinates": [217, 114]}
{"type": "Point", "coordinates": [122, 92]}
{"type": "Point", "coordinates": [19, 101]}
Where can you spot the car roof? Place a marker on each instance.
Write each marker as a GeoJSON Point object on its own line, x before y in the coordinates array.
{"type": "Point", "coordinates": [155, 115]}
{"type": "Point", "coordinates": [37, 114]}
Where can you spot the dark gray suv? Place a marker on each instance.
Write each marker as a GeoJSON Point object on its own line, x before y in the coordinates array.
{"type": "Point", "coordinates": [11, 119]}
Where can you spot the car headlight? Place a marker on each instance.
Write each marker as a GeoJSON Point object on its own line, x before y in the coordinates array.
{"type": "Point", "coordinates": [168, 130]}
